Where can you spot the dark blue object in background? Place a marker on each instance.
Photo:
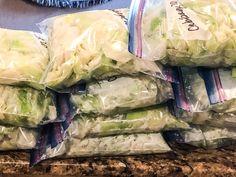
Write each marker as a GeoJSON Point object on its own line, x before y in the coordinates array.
{"type": "Point", "coordinates": [69, 3]}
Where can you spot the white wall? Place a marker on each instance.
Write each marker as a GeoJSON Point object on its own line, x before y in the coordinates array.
{"type": "Point", "coordinates": [17, 14]}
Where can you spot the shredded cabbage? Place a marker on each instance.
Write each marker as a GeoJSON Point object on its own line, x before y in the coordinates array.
{"type": "Point", "coordinates": [122, 94]}
{"type": "Point", "coordinates": [14, 138]}
{"type": "Point", "coordinates": [211, 118]}
{"type": "Point", "coordinates": [26, 107]}
{"type": "Point", "coordinates": [189, 32]}
{"type": "Point", "coordinates": [196, 91]}
{"type": "Point", "coordinates": [209, 137]}
{"type": "Point", "coordinates": [154, 119]}
{"type": "Point", "coordinates": [117, 145]}
{"type": "Point", "coordinates": [23, 58]}
{"type": "Point", "coordinates": [95, 46]}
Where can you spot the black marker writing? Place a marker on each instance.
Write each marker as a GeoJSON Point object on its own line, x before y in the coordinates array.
{"type": "Point", "coordinates": [184, 17]}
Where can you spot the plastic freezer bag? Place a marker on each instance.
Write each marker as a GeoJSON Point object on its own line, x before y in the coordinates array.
{"type": "Point", "coordinates": [26, 107]}
{"type": "Point", "coordinates": [14, 138]}
{"type": "Point", "coordinates": [211, 118]}
{"type": "Point", "coordinates": [136, 144]}
{"type": "Point", "coordinates": [23, 58]}
{"type": "Point", "coordinates": [117, 145]}
{"type": "Point", "coordinates": [95, 46]}
{"type": "Point", "coordinates": [184, 32]}
{"type": "Point", "coordinates": [122, 94]}
{"type": "Point", "coordinates": [201, 90]}
{"type": "Point", "coordinates": [204, 136]}
{"type": "Point", "coordinates": [146, 120]}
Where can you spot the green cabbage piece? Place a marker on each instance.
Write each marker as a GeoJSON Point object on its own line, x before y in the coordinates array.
{"type": "Point", "coordinates": [14, 138]}
{"type": "Point", "coordinates": [172, 43]}
{"type": "Point", "coordinates": [26, 107]}
{"type": "Point", "coordinates": [153, 119]}
{"type": "Point", "coordinates": [233, 72]}
{"type": "Point", "coordinates": [122, 94]}
{"type": "Point", "coordinates": [23, 58]}
{"type": "Point", "coordinates": [209, 137]}
{"type": "Point", "coordinates": [95, 46]}
{"type": "Point", "coordinates": [117, 145]}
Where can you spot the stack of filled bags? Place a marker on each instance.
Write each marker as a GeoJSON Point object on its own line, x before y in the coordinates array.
{"type": "Point", "coordinates": [24, 102]}
{"type": "Point", "coordinates": [188, 34]}
{"type": "Point", "coordinates": [122, 108]}
{"type": "Point", "coordinates": [122, 98]}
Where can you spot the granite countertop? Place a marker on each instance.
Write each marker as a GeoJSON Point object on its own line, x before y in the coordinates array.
{"type": "Point", "coordinates": [185, 161]}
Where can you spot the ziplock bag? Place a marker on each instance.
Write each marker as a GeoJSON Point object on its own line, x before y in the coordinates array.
{"type": "Point", "coordinates": [16, 138]}
{"type": "Point", "coordinates": [26, 107]}
{"type": "Point", "coordinates": [117, 145]}
{"type": "Point", "coordinates": [153, 119]}
{"type": "Point", "coordinates": [23, 58]}
{"type": "Point", "coordinates": [135, 144]}
{"type": "Point", "coordinates": [95, 46]}
{"type": "Point", "coordinates": [184, 32]}
{"type": "Point", "coordinates": [121, 94]}
{"type": "Point", "coordinates": [210, 118]}
{"type": "Point", "coordinates": [70, 145]}
{"type": "Point", "coordinates": [203, 136]}
{"type": "Point", "coordinates": [203, 89]}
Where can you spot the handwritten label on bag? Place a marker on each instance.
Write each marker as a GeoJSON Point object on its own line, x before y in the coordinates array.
{"type": "Point", "coordinates": [185, 23]}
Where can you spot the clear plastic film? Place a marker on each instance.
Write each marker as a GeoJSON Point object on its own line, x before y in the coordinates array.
{"type": "Point", "coordinates": [135, 144]}
{"type": "Point", "coordinates": [202, 90]}
{"type": "Point", "coordinates": [23, 58]}
{"type": "Point", "coordinates": [16, 138]}
{"type": "Point", "coordinates": [95, 46]}
{"type": "Point", "coordinates": [117, 145]}
{"type": "Point", "coordinates": [209, 137]}
{"type": "Point", "coordinates": [211, 118]}
{"type": "Point", "coordinates": [154, 119]}
{"type": "Point", "coordinates": [183, 32]}
{"type": "Point", "coordinates": [26, 107]}
{"type": "Point", "coordinates": [122, 94]}
{"type": "Point", "coordinates": [74, 146]}
{"type": "Point", "coordinates": [195, 90]}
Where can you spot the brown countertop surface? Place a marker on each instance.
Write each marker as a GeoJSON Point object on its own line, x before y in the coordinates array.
{"type": "Point", "coordinates": [184, 161]}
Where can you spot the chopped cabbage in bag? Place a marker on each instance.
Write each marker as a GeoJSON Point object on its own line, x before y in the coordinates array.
{"type": "Point", "coordinates": [184, 32]}
{"type": "Point", "coordinates": [211, 118]}
{"type": "Point", "coordinates": [117, 145]}
{"type": "Point", "coordinates": [26, 107]}
{"type": "Point", "coordinates": [91, 45]}
{"type": "Point", "coordinates": [74, 146]}
{"type": "Point", "coordinates": [136, 144]}
{"type": "Point", "coordinates": [122, 94]}
{"type": "Point", "coordinates": [14, 138]}
{"type": "Point", "coordinates": [206, 137]}
{"type": "Point", "coordinates": [144, 120]}
{"type": "Point", "coordinates": [23, 58]}
{"type": "Point", "coordinates": [207, 90]}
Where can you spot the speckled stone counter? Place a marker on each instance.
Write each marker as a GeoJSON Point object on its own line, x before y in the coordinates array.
{"type": "Point", "coordinates": [185, 161]}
